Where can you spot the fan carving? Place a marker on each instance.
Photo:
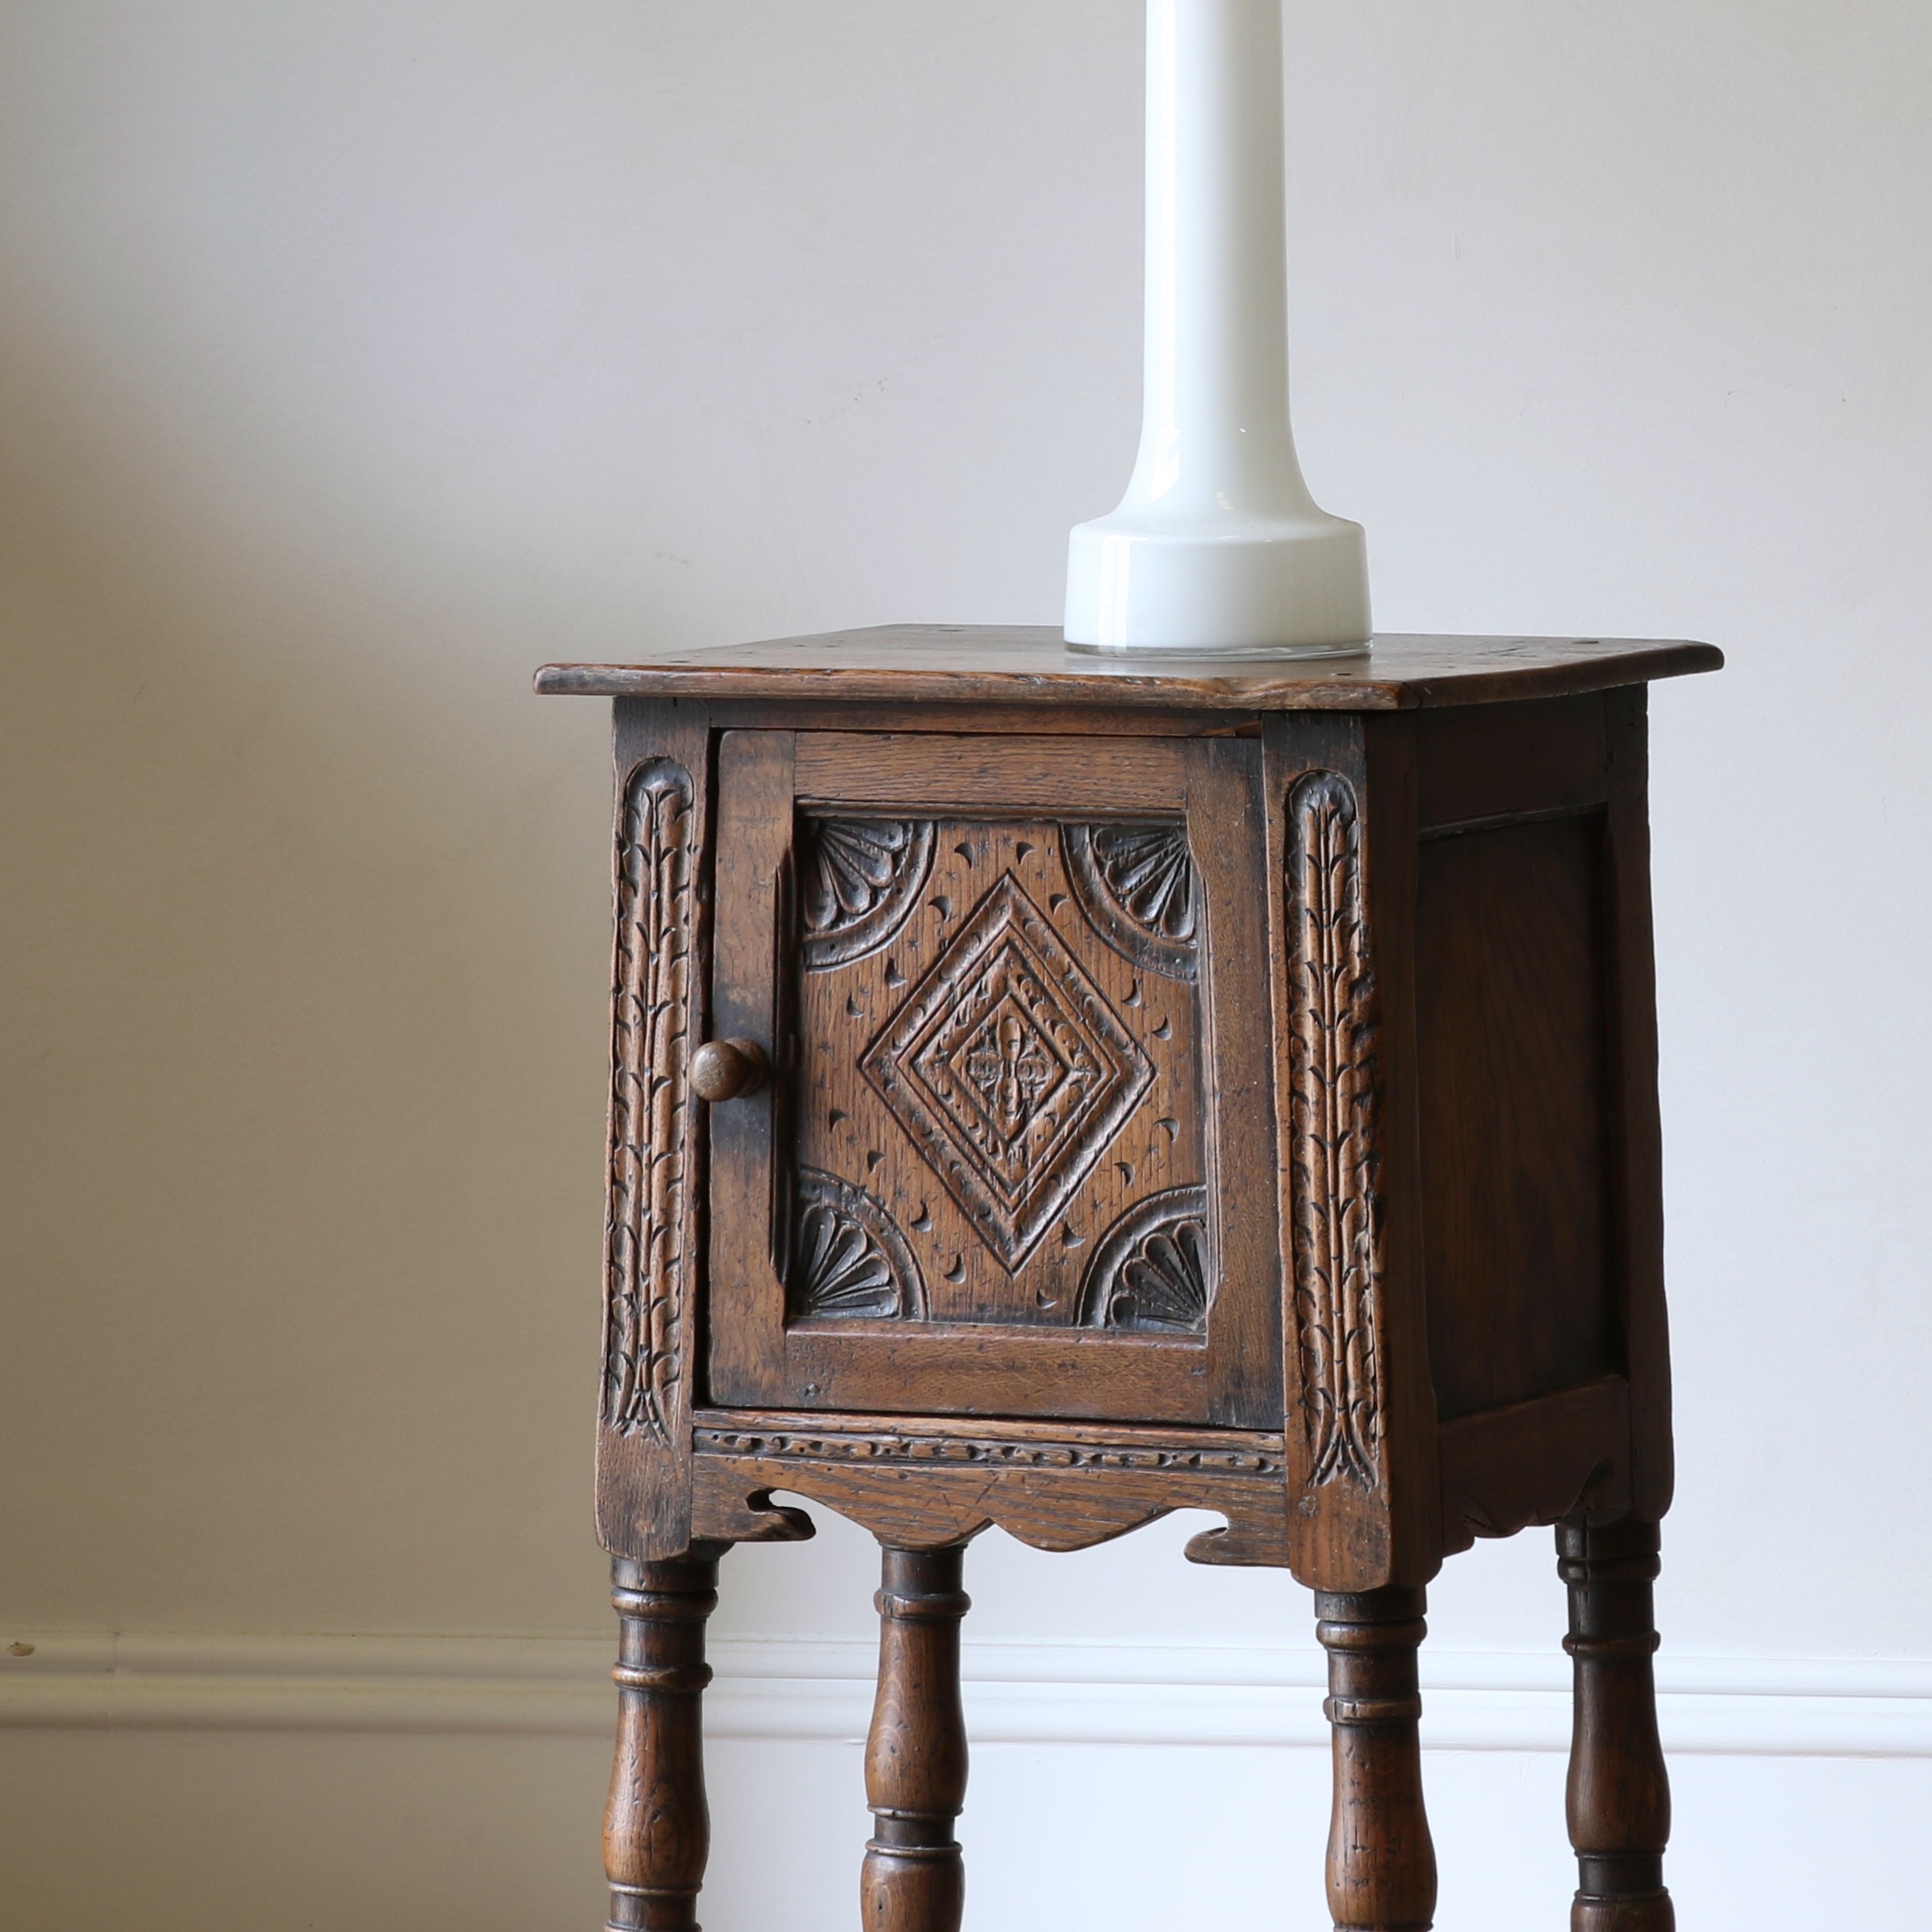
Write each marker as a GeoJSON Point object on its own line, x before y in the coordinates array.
{"type": "Point", "coordinates": [1137, 885]}
{"type": "Point", "coordinates": [848, 1258]}
{"type": "Point", "coordinates": [859, 881]}
{"type": "Point", "coordinates": [1153, 1272]}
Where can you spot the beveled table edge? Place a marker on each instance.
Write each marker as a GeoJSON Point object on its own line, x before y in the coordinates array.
{"type": "Point", "coordinates": [1029, 665]}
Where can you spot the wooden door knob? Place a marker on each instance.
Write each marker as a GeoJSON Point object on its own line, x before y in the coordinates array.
{"type": "Point", "coordinates": [722, 1070]}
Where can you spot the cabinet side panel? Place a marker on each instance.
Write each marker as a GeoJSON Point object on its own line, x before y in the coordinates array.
{"type": "Point", "coordinates": [1500, 761]}
{"type": "Point", "coordinates": [1514, 1091]}
{"type": "Point", "coordinates": [1394, 851]}
{"type": "Point", "coordinates": [1636, 1178]}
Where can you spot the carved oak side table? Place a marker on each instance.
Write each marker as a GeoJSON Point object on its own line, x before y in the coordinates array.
{"type": "Point", "coordinates": [1051, 1091]}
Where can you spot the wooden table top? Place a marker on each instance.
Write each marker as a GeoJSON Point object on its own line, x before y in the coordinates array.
{"type": "Point", "coordinates": [1032, 664]}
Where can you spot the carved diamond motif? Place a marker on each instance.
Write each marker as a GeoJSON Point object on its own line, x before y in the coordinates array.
{"type": "Point", "coordinates": [1008, 1065]}
{"type": "Point", "coordinates": [1009, 1070]}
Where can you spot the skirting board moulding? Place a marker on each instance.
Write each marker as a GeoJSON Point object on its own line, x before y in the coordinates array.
{"type": "Point", "coordinates": [806, 1689]}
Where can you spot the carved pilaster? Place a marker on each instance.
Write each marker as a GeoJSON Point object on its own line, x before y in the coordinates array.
{"type": "Point", "coordinates": [651, 1044]}
{"type": "Point", "coordinates": [1334, 1021]}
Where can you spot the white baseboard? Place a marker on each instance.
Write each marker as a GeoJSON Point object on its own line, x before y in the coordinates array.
{"type": "Point", "coordinates": [803, 1688]}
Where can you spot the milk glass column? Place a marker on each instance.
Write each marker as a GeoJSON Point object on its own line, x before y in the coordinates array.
{"type": "Point", "coordinates": [1217, 545]}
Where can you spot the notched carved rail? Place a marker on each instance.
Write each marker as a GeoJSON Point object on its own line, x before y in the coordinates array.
{"type": "Point", "coordinates": [1055, 1488]}
{"type": "Point", "coordinates": [1334, 1021]}
{"type": "Point", "coordinates": [650, 1101]}
{"type": "Point", "coordinates": [847, 1446]}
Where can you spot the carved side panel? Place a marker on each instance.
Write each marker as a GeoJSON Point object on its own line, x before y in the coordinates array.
{"type": "Point", "coordinates": [644, 1283]}
{"type": "Point", "coordinates": [995, 1082]}
{"type": "Point", "coordinates": [1336, 1177]}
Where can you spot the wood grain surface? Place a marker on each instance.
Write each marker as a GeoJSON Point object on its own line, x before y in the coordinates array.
{"type": "Point", "coordinates": [1016, 664]}
{"type": "Point", "coordinates": [1536, 1462]}
{"type": "Point", "coordinates": [913, 1879]}
{"type": "Point", "coordinates": [1510, 1015]}
{"type": "Point", "coordinates": [1054, 1485]}
{"type": "Point", "coordinates": [1381, 1860]}
{"type": "Point", "coordinates": [1619, 1801]}
{"type": "Point", "coordinates": [657, 1827]}
{"type": "Point", "coordinates": [1050, 1091]}
{"type": "Point", "coordinates": [1009, 1051]}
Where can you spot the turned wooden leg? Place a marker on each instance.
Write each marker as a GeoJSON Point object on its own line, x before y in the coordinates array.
{"type": "Point", "coordinates": [914, 1877]}
{"type": "Point", "coordinates": [1619, 1793]}
{"type": "Point", "coordinates": [1381, 1863]}
{"type": "Point", "coordinates": [657, 1827]}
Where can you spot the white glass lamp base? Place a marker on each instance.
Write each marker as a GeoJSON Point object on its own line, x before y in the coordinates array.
{"type": "Point", "coordinates": [1217, 545]}
{"type": "Point", "coordinates": [1269, 586]}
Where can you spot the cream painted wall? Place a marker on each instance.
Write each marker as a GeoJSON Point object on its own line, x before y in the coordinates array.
{"type": "Point", "coordinates": [354, 358]}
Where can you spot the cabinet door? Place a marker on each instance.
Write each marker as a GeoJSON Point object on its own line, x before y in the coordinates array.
{"type": "Point", "coordinates": [1015, 1154]}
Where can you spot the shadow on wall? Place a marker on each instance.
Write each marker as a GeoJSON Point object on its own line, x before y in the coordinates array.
{"type": "Point", "coordinates": [307, 903]}
{"type": "Point", "coordinates": [353, 361]}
